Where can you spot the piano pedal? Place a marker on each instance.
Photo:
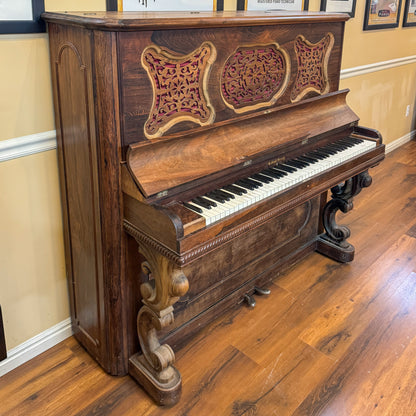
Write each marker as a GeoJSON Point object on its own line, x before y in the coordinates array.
{"type": "Point", "coordinates": [262, 291]}
{"type": "Point", "coordinates": [249, 300]}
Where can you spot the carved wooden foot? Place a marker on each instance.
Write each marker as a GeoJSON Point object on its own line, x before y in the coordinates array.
{"type": "Point", "coordinates": [154, 369]}
{"type": "Point", "coordinates": [333, 243]}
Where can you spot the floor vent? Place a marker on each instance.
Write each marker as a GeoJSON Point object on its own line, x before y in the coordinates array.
{"type": "Point", "coordinates": [3, 351]}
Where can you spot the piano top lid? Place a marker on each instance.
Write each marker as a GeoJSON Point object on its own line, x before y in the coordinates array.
{"type": "Point", "coordinates": [129, 21]}
{"type": "Point", "coordinates": [162, 165]}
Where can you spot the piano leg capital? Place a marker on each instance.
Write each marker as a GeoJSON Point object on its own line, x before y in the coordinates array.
{"type": "Point", "coordinates": [333, 243]}
{"type": "Point", "coordinates": [153, 369]}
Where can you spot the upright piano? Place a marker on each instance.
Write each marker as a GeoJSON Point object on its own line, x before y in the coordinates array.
{"type": "Point", "coordinates": [196, 152]}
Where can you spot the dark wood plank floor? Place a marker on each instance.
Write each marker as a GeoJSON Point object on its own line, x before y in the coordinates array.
{"type": "Point", "coordinates": [332, 339]}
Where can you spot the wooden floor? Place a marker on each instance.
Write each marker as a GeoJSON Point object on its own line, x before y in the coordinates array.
{"type": "Point", "coordinates": [332, 339]}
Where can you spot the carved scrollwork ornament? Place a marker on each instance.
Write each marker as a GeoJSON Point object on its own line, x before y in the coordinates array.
{"type": "Point", "coordinates": [334, 241]}
{"type": "Point", "coordinates": [154, 368]}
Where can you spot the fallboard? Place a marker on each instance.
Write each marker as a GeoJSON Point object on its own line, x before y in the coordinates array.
{"type": "Point", "coordinates": [164, 168]}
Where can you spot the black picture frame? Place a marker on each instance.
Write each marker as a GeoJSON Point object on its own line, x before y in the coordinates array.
{"type": "Point", "coordinates": [369, 8]}
{"type": "Point", "coordinates": [36, 25]}
{"type": "Point", "coordinates": [3, 350]}
{"type": "Point", "coordinates": [325, 3]}
{"type": "Point", "coordinates": [112, 5]}
{"type": "Point", "coordinates": [406, 21]}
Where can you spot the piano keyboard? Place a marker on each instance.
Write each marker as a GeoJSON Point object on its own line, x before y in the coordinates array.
{"type": "Point", "coordinates": [225, 201]}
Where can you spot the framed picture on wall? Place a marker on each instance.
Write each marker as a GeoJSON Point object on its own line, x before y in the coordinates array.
{"type": "Point", "coordinates": [21, 16]}
{"type": "Point", "coordinates": [286, 5]}
{"type": "Point", "coordinates": [381, 14]}
{"type": "Point", "coordinates": [339, 6]}
{"type": "Point", "coordinates": [165, 5]}
{"type": "Point", "coordinates": [409, 17]}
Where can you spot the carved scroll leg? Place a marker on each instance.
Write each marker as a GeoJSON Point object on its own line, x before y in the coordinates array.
{"type": "Point", "coordinates": [154, 369]}
{"type": "Point", "coordinates": [333, 243]}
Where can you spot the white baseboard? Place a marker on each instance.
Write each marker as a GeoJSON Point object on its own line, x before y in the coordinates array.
{"type": "Point", "coordinates": [27, 145]}
{"type": "Point", "coordinates": [400, 141]}
{"type": "Point", "coordinates": [35, 346]}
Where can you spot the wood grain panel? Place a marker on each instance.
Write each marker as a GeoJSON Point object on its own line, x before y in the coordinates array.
{"type": "Point", "coordinates": [78, 147]}
{"type": "Point", "coordinates": [135, 84]}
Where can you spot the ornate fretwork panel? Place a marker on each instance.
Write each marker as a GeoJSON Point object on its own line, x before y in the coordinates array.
{"type": "Point", "coordinates": [179, 85]}
{"type": "Point", "coordinates": [254, 77]}
{"type": "Point", "coordinates": [312, 60]}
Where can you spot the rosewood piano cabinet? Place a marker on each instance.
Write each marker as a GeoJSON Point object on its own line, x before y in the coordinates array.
{"type": "Point", "coordinates": [196, 151]}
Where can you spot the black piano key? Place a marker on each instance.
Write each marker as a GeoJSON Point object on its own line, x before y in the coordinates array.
{"type": "Point", "coordinates": [286, 168]}
{"type": "Point", "coordinates": [192, 207]}
{"type": "Point", "coordinates": [352, 141]}
{"type": "Point", "coordinates": [325, 155]}
{"type": "Point", "coordinates": [207, 201]}
{"type": "Point", "coordinates": [309, 159]}
{"type": "Point", "coordinates": [327, 150]}
{"type": "Point", "coordinates": [202, 203]}
{"type": "Point", "coordinates": [252, 182]}
{"type": "Point", "coordinates": [235, 190]}
{"type": "Point", "coordinates": [317, 155]}
{"type": "Point", "coordinates": [324, 151]}
{"type": "Point", "coordinates": [347, 143]}
{"type": "Point", "coordinates": [245, 185]}
{"type": "Point", "coordinates": [273, 173]}
{"type": "Point", "coordinates": [215, 197]}
{"type": "Point", "coordinates": [225, 195]}
{"type": "Point", "coordinates": [295, 163]}
{"type": "Point", "coordinates": [261, 178]}
{"type": "Point", "coordinates": [355, 140]}
{"type": "Point", "coordinates": [280, 171]}
{"type": "Point", "coordinates": [301, 160]}
{"type": "Point", "coordinates": [337, 146]}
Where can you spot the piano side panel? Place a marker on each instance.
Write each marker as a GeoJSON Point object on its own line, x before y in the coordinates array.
{"type": "Point", "coordinates": [71, 54]}
{"type": "Point", "coordinates": [136, 87]}
{"type": "Point", "coordinates": [220, 278]}
{"type": "Point", "coordinates": [84, 67]}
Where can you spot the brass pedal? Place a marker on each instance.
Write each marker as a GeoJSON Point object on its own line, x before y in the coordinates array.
{"type": "Point", "coordinates": [249, 300]}
{"type": "Point", "coordinates": [262, 291]}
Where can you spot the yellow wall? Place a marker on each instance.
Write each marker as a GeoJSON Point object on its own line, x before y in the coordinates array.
{"type": "Point", "coordinates": [33, 291]}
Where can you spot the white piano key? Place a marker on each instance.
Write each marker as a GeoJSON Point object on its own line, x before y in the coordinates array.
{"type": "Point", "coordinates": [240, 202]}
